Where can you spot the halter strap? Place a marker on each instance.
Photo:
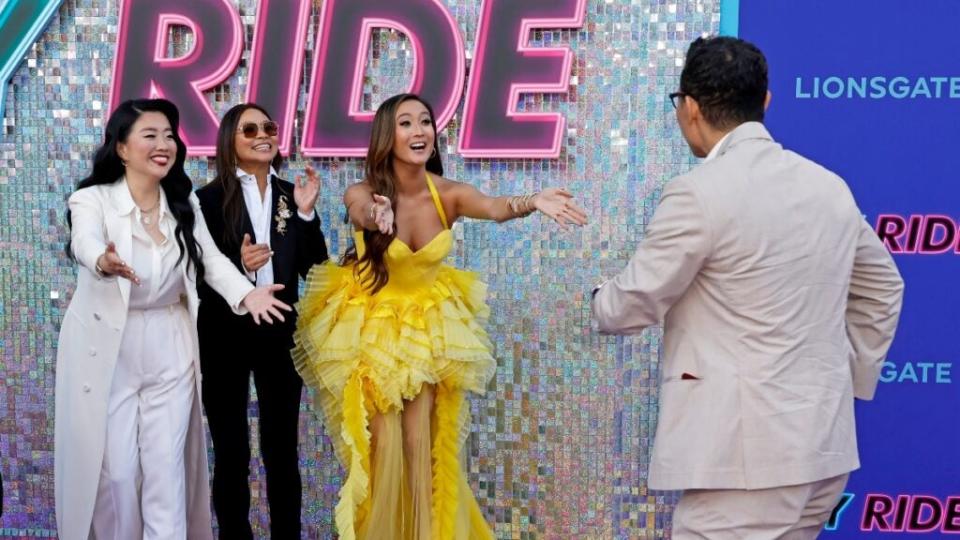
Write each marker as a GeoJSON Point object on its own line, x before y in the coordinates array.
{"type": "Point", "coordinates": [437, 203]}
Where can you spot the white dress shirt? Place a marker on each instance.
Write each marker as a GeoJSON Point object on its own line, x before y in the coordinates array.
{"type": "Point", "coordinates": [260, 210]}
{"type": "Point", "coordinates": [161, 282]}
{"type": "Point", "coordinates": [716, 148]}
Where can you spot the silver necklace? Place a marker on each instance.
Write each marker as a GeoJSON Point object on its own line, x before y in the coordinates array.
{"type": "Point", "coordinates": [145, 214]}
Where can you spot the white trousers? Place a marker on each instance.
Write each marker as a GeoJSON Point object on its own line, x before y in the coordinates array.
{"type": "Point", "coordinates": [142, 490]}
{"type": "Point", "coordinates": [783, 513]}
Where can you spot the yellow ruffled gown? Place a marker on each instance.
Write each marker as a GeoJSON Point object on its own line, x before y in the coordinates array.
{"type": "Point", "coordinates": [366, 356]}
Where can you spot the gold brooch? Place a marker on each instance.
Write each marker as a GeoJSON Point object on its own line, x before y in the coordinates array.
{"type": "Point", "coordinates": [283, 214]}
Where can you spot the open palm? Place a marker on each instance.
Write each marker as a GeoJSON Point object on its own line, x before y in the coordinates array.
{"type": "Point", "coordinates": [305, 193]}
{"type": "Point", "coordinates": [558, 204]}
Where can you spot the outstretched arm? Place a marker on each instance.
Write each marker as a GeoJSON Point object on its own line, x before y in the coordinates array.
{"type": "Point", "coordinates": [676, 245]}
{"type": "Point", "coordinates": [228, 282]}
{"type": "Point", "coordinates": [367, 210]}
{"type": "Point", "coordinates": [554, 202]}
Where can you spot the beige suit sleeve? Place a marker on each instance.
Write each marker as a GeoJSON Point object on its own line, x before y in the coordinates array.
{"type": "Point", "coordinates": [676, 244]}
{"type": "Point", "coordinates": [219, 272]}
{"type": "Point", "coordinates": [873, 309]}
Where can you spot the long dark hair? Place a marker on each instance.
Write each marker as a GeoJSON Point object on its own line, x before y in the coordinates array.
{"type": "Point", "coordinates": [372, 268]}
{"type": "Point", "coordinates": [227, 162]}
{"type": "Point", "coordinates": [108, 168]}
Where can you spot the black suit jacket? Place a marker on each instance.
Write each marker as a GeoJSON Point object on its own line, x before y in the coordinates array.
{"type": "Point", "coordinates": [294, 253]}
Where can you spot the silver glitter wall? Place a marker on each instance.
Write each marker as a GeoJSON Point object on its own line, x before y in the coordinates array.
{"type": "Point", "coordinates": [562, 436]}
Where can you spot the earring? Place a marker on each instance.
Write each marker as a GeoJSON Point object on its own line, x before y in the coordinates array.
{"type": "Point", "coordinates": [433, 152]}
{"type": "Point", "coordinates": [123, 162]}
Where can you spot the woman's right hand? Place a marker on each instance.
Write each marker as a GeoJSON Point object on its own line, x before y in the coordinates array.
{"type": "Point", "coordinates": [254, 256]}
{"type": "Point", "coordinates": [382, 214]}
{"type": "Point", "coordinates": [110, 264]}
{"type": "Point", "coordinates": [261, 303]}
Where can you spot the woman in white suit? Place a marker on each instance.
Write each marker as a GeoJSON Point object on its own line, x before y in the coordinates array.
{"type": "Point", "coordinates": [130, 457]}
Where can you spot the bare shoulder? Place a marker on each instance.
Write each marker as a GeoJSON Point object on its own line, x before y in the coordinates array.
{"type": "Point", "coordinates": [454, 196]}
{"type": "Point", "coordinates": [357, 191]}
{"type": "Point", "coordinates": [360, 187]}
{"type": "Point", "coordinates": [452, 188]}
{"type": "Point", "coordinates": [442, 183]}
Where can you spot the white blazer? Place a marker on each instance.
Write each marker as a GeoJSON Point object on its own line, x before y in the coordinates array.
{"type": "Point", "coordinates": [87, 354]}
{"type": "Point", "coordinates": [778, 305]}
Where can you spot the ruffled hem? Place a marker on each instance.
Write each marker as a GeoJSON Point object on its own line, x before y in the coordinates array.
{"type": "Point", "coordinates": [429, 336]}
{"type": "Point", "coordinates": [354, 438]}
{"type": "Point", "coordinates": [455, 513]}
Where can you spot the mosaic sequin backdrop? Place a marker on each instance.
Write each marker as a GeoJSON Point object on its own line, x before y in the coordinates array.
{"type": "Point", "coordinates": [561, 438]}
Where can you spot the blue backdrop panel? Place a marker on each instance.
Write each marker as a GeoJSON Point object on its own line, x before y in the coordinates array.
{"type": "Point", "coordinates": [871, 90]}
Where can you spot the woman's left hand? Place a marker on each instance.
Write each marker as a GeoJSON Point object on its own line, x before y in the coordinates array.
{"type": "Point", "coordinates": [306, 192]}
{"type": "Point", "coordinates": [558, 204]}
{"type": "Point", "coordinates": [261, 303]}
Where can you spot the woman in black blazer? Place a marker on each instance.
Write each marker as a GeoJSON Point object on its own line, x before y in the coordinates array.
{"type": "Point", "coordinates": [269, 229]}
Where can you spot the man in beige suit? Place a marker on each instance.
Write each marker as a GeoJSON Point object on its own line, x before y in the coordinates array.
{"type": "Point", "coordinates": [778, 305]}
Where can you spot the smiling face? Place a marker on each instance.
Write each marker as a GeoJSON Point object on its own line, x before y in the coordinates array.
{"type": "Point", "coordinates": [414, 134]}
{"type": "Point", "coordinates": [254, 153]}
{"type": "Point", "coordinates": [150, 148]}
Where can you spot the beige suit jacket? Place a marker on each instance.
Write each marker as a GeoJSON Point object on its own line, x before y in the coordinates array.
{"type": "Point", "coordinates": [778, 304]}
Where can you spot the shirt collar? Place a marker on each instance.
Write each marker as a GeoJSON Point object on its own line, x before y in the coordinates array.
{"type": "Point", "coordinates": [246, 178]}
{"type": "Point", "coordinates": [122, 200]}
{"type": "Point", "coordinates": [125, 204]}
{"type": "Point", "coordinates": [716, 148]}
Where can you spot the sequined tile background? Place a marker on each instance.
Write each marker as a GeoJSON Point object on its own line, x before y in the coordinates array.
{"type": "Point", "coordinates": [562, 436]}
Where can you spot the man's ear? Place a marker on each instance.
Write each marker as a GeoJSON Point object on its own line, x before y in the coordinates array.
{"type": "Point", "coordinates": [693, 108]}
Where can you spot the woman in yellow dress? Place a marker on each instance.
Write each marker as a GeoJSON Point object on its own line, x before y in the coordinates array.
{"type": "Point", "coordinates": [391, 339]}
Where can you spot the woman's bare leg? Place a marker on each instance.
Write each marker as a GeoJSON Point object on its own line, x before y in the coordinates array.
{"type": "Point", "coordinates": [386, 479]}
{"type": "Point", "coordinates": [417, 443]}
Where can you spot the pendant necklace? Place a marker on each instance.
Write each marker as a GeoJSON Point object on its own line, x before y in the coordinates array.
{"type": "Point", "coordinates": [145, 214]}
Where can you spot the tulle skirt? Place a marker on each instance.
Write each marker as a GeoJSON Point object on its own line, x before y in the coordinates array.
{"type": "Point", "coordinates": [390, 372]}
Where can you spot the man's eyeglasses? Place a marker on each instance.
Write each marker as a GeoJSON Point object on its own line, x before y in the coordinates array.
{"type": "Point", "coordinates": [250, 130]}
{"type": "Point", "coordinates": [675, 98]}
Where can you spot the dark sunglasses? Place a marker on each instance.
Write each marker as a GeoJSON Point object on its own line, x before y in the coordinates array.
{"type": "Point", "coordinates": [251, 129]}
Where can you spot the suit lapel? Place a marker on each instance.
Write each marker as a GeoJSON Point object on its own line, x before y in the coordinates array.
{"type": "Point", "coordinates": [119, 230]}
{"type": "Point", "coordinates": [279, 241]}
{"type": "Point", "coordinates": [247, 225]}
